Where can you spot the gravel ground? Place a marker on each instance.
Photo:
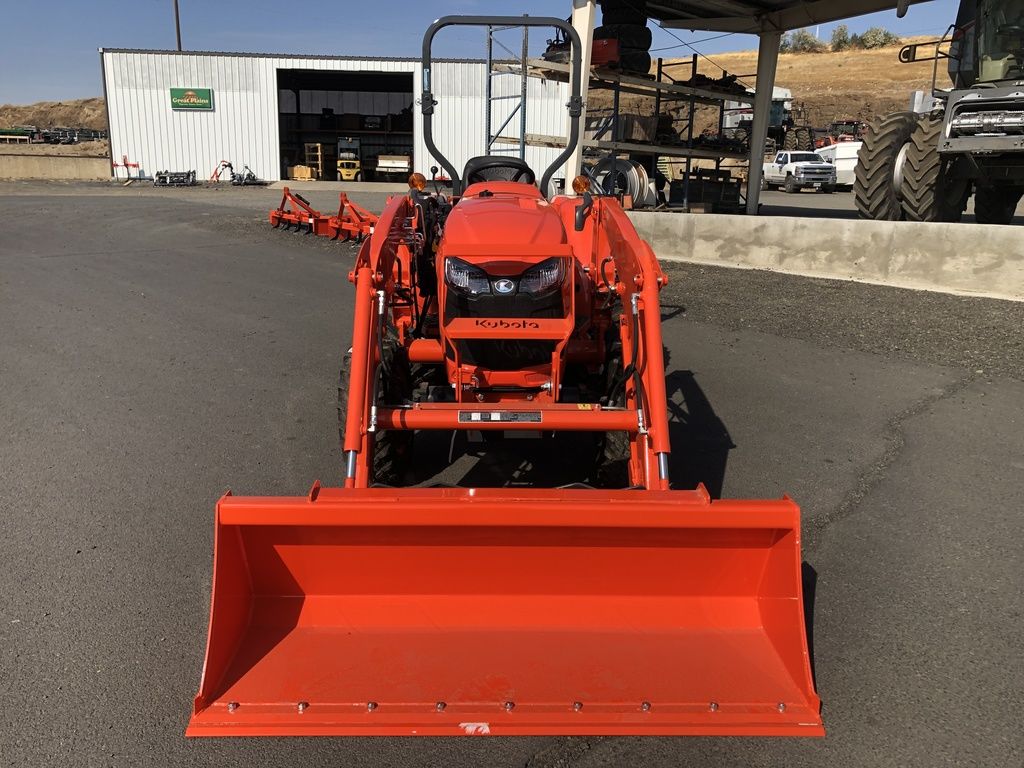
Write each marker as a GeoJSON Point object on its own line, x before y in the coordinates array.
{"type": "Point", "coordinates": [975, 334]}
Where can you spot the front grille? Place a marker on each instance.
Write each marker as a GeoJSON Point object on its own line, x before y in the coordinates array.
{"type": "Point", "coordinates": [987, 123]}
{"type": "Point", "coordinates": [822, 176]}
{"type": "Point", "coordinates": [505, 352]}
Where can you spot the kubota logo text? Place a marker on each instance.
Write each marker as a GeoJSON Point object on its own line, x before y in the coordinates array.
{"type": "Point", "coordinates": [508, 325]}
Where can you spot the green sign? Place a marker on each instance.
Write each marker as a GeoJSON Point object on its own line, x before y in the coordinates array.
{"type": "Point", "coordinates": [192, 98]}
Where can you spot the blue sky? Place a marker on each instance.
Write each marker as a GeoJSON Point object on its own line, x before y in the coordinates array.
{"type": "Point", "coordinates": [51, 54]}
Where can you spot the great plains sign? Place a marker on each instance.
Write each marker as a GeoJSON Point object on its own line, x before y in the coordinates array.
{"type": "Point", "coordinates": [192, 98]}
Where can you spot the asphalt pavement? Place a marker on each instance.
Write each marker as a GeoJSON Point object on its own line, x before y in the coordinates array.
{"type": "Point", "coordinates": [160, 346]}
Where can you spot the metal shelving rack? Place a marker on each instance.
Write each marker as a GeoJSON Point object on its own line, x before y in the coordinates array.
{"type": "Point", "coordinates": [491, 136]}
{"type": "Point", "coordinates": [663, 88]}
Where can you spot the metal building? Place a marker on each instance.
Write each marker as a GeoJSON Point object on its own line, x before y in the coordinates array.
{"type": "Point", "coordinates": [171, 110]}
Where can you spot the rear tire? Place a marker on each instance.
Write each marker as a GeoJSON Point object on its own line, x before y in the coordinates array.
{"type": "Point", "coordinates": [804, 140]}
{"type": "Point", "coordinates": [879, 163]}
{"type": "Point", "coordinates": [926, 192]}
{"type": "Point", "coordinates": [790, 140]}
{"type": "Point", "coordinates": [996, 205]}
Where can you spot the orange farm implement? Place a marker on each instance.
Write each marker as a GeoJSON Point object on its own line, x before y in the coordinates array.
{"type": "Point", "coordinates": [352, 221]}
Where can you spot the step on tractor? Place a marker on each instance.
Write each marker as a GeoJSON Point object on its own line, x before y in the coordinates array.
{"type": "Point", "coordinates": [924, 167]}
{"type": "Point", "coordinates": [610, 605]}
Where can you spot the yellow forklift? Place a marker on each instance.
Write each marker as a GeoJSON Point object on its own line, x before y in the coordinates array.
{"type": "Point", "coordinates": [349, 164]}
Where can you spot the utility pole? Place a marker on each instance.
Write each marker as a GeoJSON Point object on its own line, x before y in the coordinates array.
{"type": "Point", "coordinates": [177, 24]}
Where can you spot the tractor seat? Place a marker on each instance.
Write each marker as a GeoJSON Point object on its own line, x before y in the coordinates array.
{"type": "Point", "coordinates": [497, 168]}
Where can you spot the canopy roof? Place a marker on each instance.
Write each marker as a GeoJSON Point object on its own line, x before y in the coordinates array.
{"type": "Point", "coordinates": [755, 16]}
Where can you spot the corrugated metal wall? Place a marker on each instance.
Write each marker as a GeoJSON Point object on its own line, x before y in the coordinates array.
{"type": "Point", "coordinates": [244, 128]}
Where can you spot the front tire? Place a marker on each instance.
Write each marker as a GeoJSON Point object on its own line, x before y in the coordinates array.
{"type": "Point", "coordinates": [926, 192]}
{"type": "Point", "coordinates": [392, 449]}
{"type": "Point", "coordinates": [791, 186]}
{"type": "Point", "coordinates": [880, 163]}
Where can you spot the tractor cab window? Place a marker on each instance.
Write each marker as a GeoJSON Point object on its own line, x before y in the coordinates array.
{"type": "Point", "coordinates": [1000, 30]}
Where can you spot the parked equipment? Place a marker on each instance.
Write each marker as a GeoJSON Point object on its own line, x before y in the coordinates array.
{"type": "Point", "coordinates": [174, 179]}
{"type": "Point", "coordinates": [840, 131]}
{"type": "Point", "coordinates": [843, 156]}
{"type": "Point", "coordinates": [925, 167]}
{"type": "Point", "coordinates": [787, 122]}
{"type": "Point", "coordinates": [246, 178]}
{"type": "Point", "coordinates": [382, 609]}
{"type": "Point", "coordinates": [295, 212]}
{"type": "Point", "coordinates": [352, 222]}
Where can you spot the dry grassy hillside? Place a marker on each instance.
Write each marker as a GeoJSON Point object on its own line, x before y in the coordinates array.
{"type": "Point", "coordinates": [75, 113]}
{"type": "Point", "coordinates": [855, 84]}
{"type": "Point", "coordinates": [852, 84]}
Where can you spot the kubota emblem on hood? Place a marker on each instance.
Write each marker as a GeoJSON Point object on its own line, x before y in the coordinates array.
{"type": "Point", "coordinates": [504, 286]}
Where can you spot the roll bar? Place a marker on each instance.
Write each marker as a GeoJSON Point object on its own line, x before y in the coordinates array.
{"type": "Point", "coordinates": [575, 105]}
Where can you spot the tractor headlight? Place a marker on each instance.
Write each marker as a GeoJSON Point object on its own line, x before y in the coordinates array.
{"type": "Point", "coordinates": [543, 277]}
{"type": "Point", "coordinates": [464, 277]}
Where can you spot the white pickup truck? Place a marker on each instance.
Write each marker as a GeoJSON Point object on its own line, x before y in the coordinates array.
{"type": "Point", "coordinates": [794, 171]}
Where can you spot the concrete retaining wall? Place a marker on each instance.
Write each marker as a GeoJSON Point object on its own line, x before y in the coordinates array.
{"type": "Point", "coordinates": [953, 258]}
{"type": "Point", "coordinates": [61, 167]}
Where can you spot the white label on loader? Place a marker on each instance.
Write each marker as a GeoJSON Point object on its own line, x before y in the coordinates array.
{"type": "Point", "coordinates": [476, 729]}
{"type": "Point", "coordinates": [500, 417]}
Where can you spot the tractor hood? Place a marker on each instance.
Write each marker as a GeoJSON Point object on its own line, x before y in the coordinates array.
{"type": "Point", "coordinates": [504, 217]}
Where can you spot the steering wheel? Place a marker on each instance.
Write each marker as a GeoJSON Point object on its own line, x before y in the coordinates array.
{"type": "Point", "coordinates": [519, 173]}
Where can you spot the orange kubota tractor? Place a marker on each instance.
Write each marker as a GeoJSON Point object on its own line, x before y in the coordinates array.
{"type": "Point", "coordinates": [381, 609]}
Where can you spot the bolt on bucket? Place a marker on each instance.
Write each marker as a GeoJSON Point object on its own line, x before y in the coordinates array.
{"type": "Point", "coordinates": [506, 611]}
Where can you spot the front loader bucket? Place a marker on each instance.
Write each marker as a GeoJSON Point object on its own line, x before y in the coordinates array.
{"type": "Point", "coordinates": [506, 611]}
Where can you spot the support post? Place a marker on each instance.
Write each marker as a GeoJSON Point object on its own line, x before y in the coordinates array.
{"type": "Point", "coordinates": [767, 64]}
{"type": "Point", "coordinates": [584, 15]}
{"type": "Point", "coordinates": [523, 88]}
{"type": "Point", "coordinates": [489, 91]}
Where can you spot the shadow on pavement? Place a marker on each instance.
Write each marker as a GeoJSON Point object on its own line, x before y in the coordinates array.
{"type": "Point", "coordinates": [700, 440]}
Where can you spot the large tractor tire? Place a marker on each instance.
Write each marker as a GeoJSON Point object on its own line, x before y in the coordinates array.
{"type": "Point", "coordinates": [790, 141]}
{"type": "Point", "coordinates": [926, 191]}
{"type": "Point", "coordinates": [636, 36]}
{"type": "Point", "coordinates": [804, 140]}
{"type": "Point", "coordinates": [392, 450]}
{"type": "Point", "coordinates": [624, 12]}
{"type": "Point", "coordinates": [996, 205]}
{"type": "Point", "coordinates": [634, 60]}
{"type": "Point", "coordinates": [880, 161]}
